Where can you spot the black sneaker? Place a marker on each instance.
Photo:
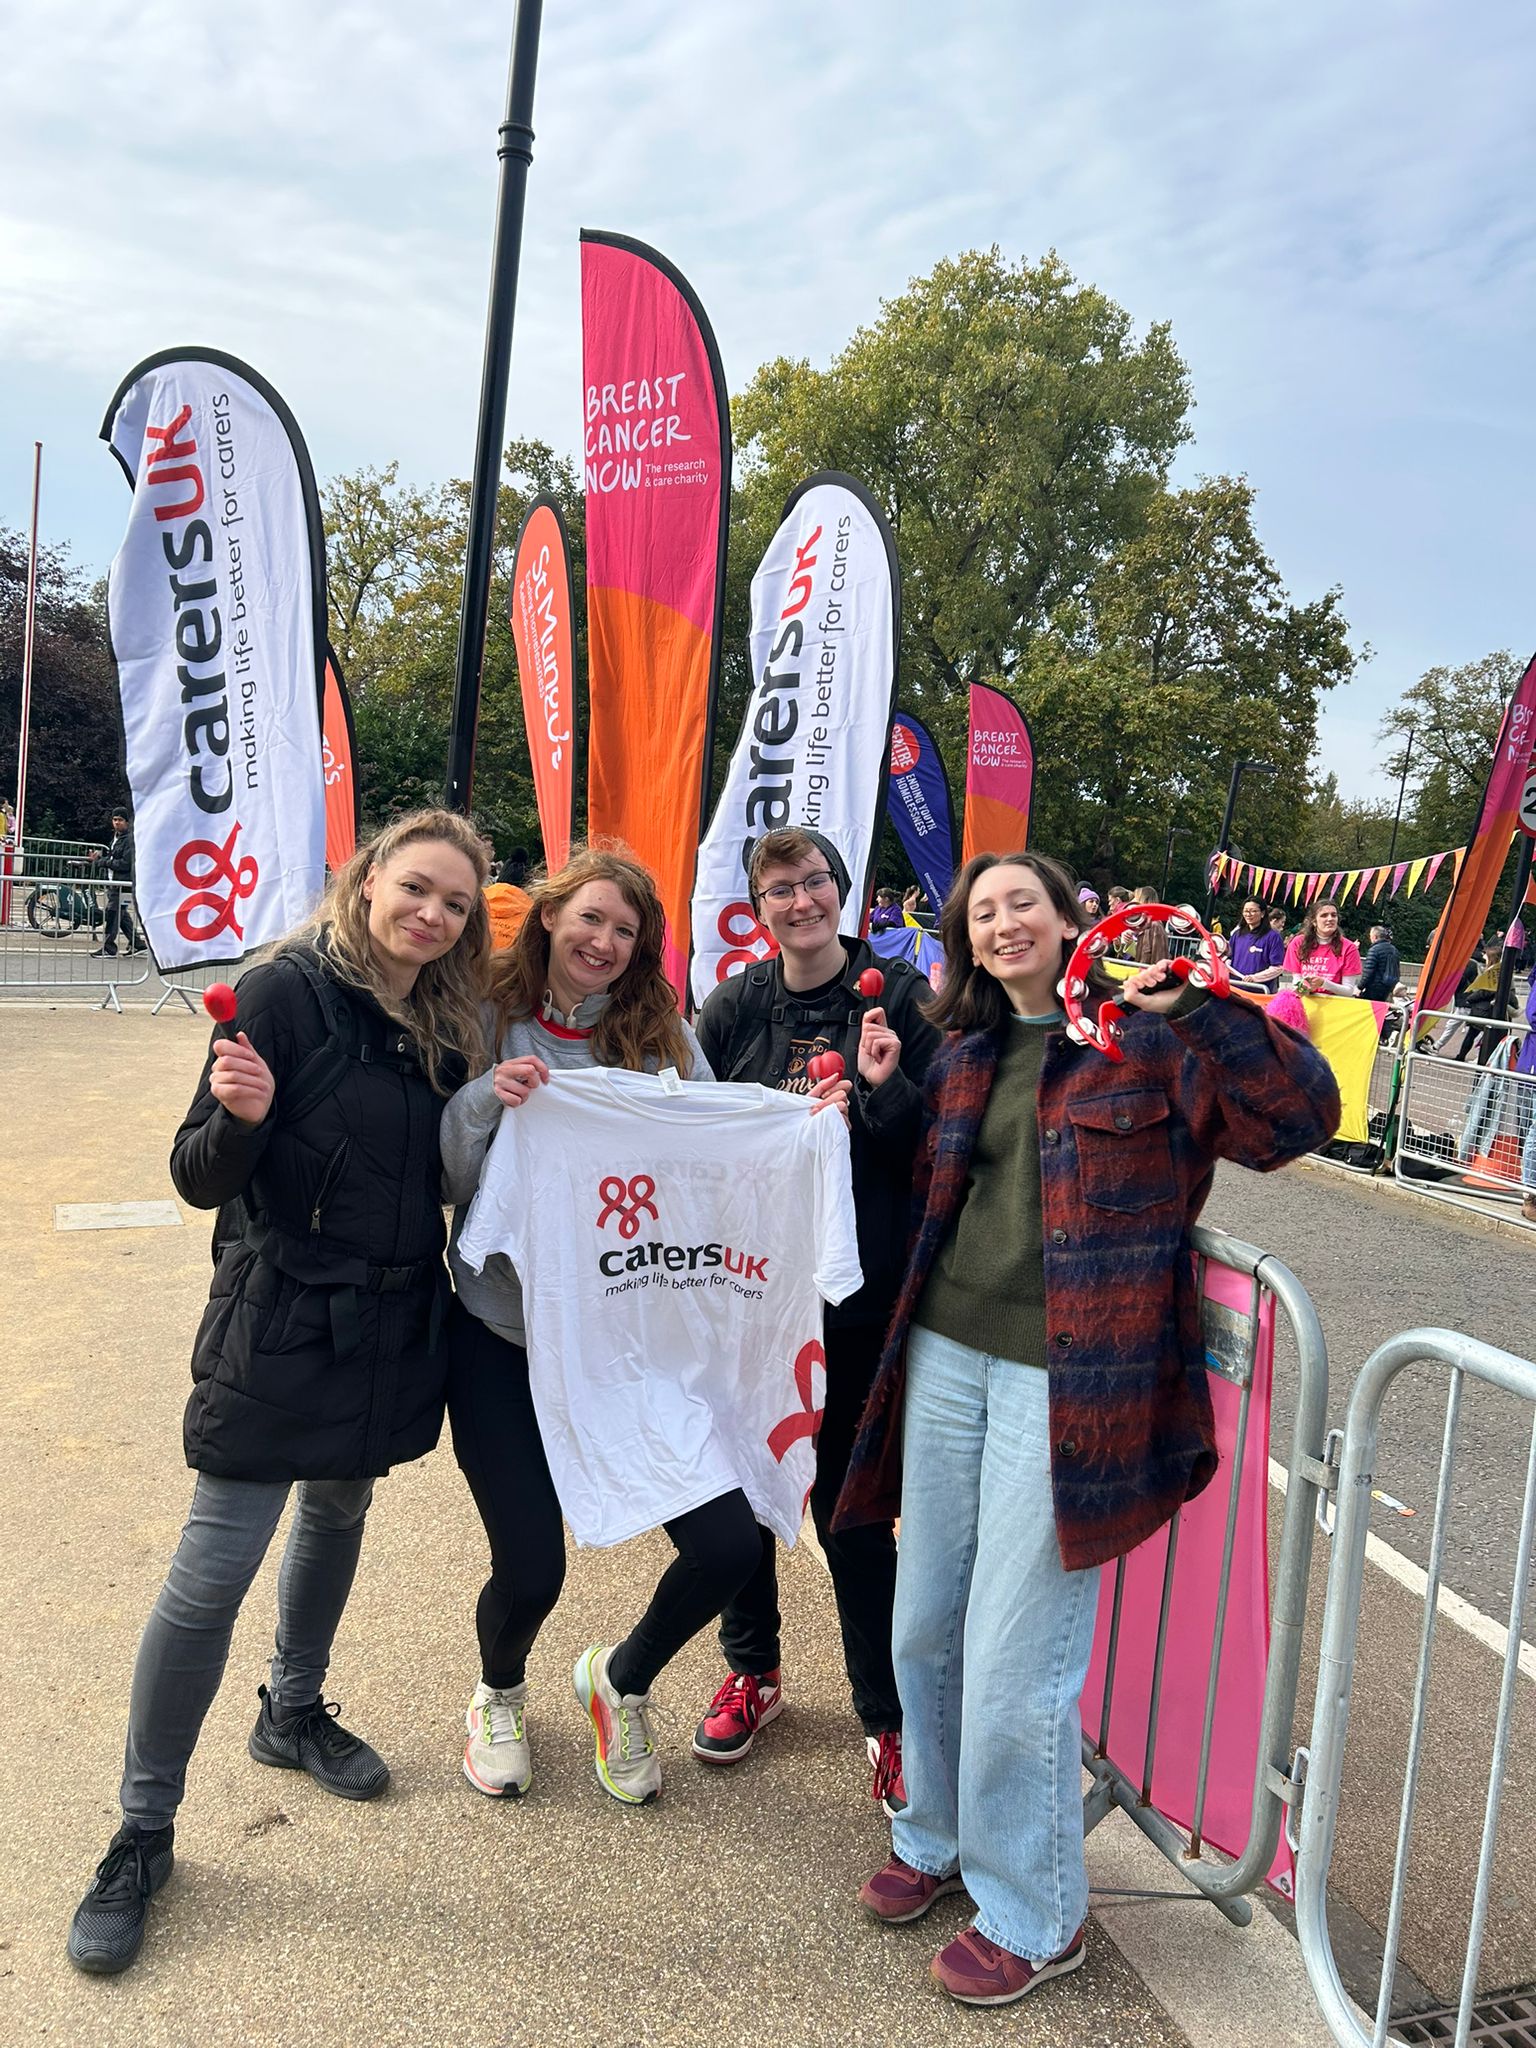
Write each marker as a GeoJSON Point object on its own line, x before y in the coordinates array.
{"type": "Point", "coordinates": [315, 1741]}
{"type": "Point", "coordinates": [103, 953]}
{"type": "Point", "coordinates": [107, 1931]}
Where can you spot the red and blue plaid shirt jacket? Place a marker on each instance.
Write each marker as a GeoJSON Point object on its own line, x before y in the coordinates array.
{"type": "Point", "coordinates": [1127, 1153]}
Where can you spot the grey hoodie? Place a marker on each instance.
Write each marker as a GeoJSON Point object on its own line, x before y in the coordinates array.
{"type": "Point", "coordinates": [470, 1121]}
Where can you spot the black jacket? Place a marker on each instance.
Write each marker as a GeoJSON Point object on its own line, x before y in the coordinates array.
{"type": "Point", "coordinates": [745, 1027]}
{"type": "Point", "coordinates": [319, 1355]}
{"type": "Point", "coordinates": [119, 861]}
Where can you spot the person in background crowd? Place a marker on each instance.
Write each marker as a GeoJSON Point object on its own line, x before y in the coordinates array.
{"type": "Point", "coordinates": [764, 1025]}
{"type": "Point", "coordinates": [1257, 953]}
{"type": "Point", "coordinates": [1088, 897]}
{"type": "Point", "coordinates": [1475, 996]}
{"type": "Point", "coordinates": [508, 900]}
{"type": "Point", "coordinates": [1152, 939]}
{"type": "Point", "coordinates": [1275, 919]}
{"type": "Point", "coordinates": [1382, 967]}
{"type": "Point", "coordinates": [1042, 1404]}
{"type": "Point", "coordinates": [119, 866]}
{"type": "Point", "coordinates": [319, 1360]}
{"type": "Point", "coordinates": [915, 908]}
{"type": "Point", "coordinates": [1119, 897]}
{"type": "Point", "coordinates": [1320, 960]}
{"type": "Point", "coordinates": [886, 915]}
{"type": "Point", "coordinates": [1525, 1064]}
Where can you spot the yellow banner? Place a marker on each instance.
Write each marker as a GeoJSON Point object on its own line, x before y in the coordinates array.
{"type": "Point", "coordinates": [1416, 874]}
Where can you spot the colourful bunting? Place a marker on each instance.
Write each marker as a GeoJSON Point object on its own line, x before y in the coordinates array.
{"type": "Point", "coordinates": [1416, 872]}
{"type": "Point", "coordinates": [1381, 882]}
{"type": "Point", "coordinates": [1397, 876]}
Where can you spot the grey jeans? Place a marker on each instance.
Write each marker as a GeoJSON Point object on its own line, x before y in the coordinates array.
{"type": "Point", "coordinates": [186, 1640]}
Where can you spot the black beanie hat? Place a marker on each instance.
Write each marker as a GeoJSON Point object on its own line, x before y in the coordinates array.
{"type": "Point", "coordinates": [824, 846]}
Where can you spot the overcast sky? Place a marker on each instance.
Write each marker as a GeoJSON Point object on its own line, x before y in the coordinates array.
{"type": "Point", "coordinates": [1332, 205]}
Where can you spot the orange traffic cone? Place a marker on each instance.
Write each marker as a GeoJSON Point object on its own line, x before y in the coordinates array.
{"type": "Point", "coordinates": [1500, 1165]}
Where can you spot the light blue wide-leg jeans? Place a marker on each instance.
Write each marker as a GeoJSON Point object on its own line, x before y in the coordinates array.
{"type": "Point", "coordinates": [992, 1640]}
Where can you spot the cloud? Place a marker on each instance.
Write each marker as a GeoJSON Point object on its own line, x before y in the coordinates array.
{"type": "Point", "coordinates": [1329, 205]}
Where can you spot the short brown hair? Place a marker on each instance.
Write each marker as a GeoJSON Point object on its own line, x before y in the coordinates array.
{"type": "Point", "coordinates": [785, 848]}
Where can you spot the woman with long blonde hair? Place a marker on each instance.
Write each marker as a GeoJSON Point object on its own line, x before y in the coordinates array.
{"type": "Point", "coordinates": [582, 986]}
{"type": "Point", "coordinates": [321, 1359]}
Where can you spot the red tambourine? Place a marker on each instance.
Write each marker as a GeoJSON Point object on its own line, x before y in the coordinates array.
{"type": "Point", "coordinates": [1103, 1031]}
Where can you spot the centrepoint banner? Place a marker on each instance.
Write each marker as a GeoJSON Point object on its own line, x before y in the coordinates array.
{"type": "Point", "coordinates": [999, 775]}
{"type": "Point", "coordinates": [657, 458]}
{"type": "Point", "coordinates": [541, 634]}
{"type": "Point", "coordinates": [338, 748]}
{"type": "Point", "coordinates": [920, 807]}
{"type": "Point", "coordinates": [814, 748]}
{"type": "Point", "coordinates": [217, 607]}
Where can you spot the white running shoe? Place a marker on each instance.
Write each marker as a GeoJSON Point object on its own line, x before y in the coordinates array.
{"type": "Point", "coordinates": [496, 1759]}
{"type": "Point", "coordinates": [626, 1761]}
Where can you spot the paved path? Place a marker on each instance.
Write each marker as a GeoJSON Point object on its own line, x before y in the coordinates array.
{"type": "Point", "coordinates": [723, 1913]}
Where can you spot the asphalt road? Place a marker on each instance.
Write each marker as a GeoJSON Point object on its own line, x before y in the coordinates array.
{"type": "Point", "coordinates": [1376, 1262]}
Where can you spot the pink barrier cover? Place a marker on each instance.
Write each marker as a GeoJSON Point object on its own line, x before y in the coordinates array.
{"type": "Point", "coordinates": [1196, 1581]}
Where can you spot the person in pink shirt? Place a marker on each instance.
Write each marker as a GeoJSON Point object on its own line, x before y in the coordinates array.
{"type": "Point", "coordinates": [1320, 960]}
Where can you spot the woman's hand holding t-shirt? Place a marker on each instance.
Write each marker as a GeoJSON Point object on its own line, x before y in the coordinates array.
{"type": "Point", "coordinates": [515, 1080]}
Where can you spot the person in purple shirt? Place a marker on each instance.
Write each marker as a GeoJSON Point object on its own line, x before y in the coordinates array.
{"type": "Point", "coordinates": [1525, 1063]}
{"type": "Point", "coordinates": [1258, 954]}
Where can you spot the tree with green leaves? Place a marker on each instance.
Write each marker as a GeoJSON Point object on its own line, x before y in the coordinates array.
{"type": "Point", "coordinates": [1019, 436]}
{"type": "Point", "coordinates": [395, 564]}
{"type": "Point", "coordinates": [74, 774]}
{"type": "Point", "coordinates": [1454, 715]}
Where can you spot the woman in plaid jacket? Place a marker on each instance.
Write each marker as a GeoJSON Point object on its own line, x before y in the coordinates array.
{"type": "Point", "coordinates": [1041, 1406]}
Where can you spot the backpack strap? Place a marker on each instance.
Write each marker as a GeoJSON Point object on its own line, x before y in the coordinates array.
{"type": "Point", "coordinates": [753, 1014]}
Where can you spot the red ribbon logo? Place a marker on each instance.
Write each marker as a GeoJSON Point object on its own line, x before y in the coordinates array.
{"type": "Point", "coordinates": [804, 1421]}
{"type": "Point", "coordinates": [626, 1200]}
{"type": "Point", "coordinates": [747, 938]}
{"type": "Point", "coordinates": [218, 865]}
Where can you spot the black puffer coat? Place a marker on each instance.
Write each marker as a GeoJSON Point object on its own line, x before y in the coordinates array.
{"type": "Point", "coordinates": [320, 1353]}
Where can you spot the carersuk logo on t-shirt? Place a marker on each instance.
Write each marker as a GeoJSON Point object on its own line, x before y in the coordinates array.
{"type": "Point", "coordinates": [627, 1200]}
{"type": "Point", "coordinates": [666, 1265]}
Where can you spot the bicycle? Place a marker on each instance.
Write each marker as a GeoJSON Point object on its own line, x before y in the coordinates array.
{"type": "Point", "coordinates": [58, 909]}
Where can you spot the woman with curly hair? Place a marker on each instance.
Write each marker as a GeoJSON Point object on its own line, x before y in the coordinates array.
{"type": "Point", "coordinates": [321, 1359]}
{"type": "Point", "coordinates": [582, 986]}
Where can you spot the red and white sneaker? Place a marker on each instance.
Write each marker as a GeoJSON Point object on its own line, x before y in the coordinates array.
{"type": "Point", "coordinates": [741, 1706]}
{"type": "Point", "coordinates": [890, 1788]}
{"type": "Point", "coordinates": [978, 1972]}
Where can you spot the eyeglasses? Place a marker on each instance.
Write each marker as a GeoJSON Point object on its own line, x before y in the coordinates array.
{"type": "Point", "coordinates": [814, 885]}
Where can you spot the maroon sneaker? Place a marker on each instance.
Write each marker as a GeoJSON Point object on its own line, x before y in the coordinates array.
{"type": "Point", "coordinates": [741, 1706]}
{"type": "Point", "coordinates": [890, 1788]}
{"type": "Point", "coordinates": [978, 1972]}
{"type": "Point", "coordinates": [898, 1893]}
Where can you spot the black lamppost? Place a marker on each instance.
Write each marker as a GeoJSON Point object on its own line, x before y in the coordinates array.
{"type": "Point", "coordinates": [1174, 832]}
{"type": "Point", "coordinates": [1239, 769]}
{"type": "Point", "coordinates": [516, 154]}
{"type": "Point", "coordinates": [1402, 784]}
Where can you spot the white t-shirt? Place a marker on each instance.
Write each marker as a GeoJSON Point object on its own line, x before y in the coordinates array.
{"type": "Point", "coordinates": [675, 1242]}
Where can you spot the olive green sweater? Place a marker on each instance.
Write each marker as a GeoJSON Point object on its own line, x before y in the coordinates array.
{"type": "Point", "coordinates": [987, 1286]}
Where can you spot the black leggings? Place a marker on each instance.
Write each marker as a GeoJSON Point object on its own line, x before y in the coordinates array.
{"type": "Point", "coordinates": [497, 1443]}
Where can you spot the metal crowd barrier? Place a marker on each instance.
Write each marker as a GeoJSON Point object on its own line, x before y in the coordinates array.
{"type": "Point", "coordinates": [1223, 1881]}
{"type": "Point", "coordinates": [1472, 1118]}
{"type": "Point", "coordinates": [51, 947]}
{"type": "Point", "coordinates": [1321, 1766]}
